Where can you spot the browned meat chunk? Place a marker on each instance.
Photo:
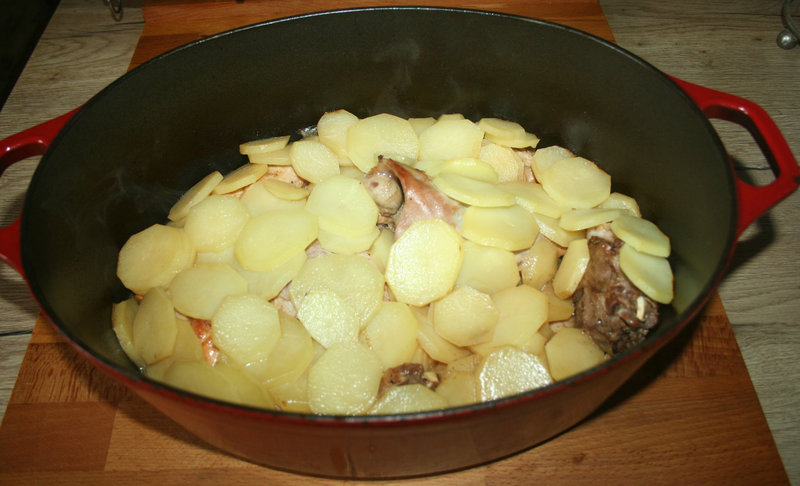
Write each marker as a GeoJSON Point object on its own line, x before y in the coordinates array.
{"type": "Point", "coordinates": [616, 314]}
{"type": "Point", "coordinates": [407, 374]}
{"type": "Point", "coordinates": [418, 199]}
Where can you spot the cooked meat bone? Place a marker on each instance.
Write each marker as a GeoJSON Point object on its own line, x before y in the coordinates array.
{"type": "Point", "coordinates": [405, 195]}
{"type": "Point", "coordinates": [615, 313]}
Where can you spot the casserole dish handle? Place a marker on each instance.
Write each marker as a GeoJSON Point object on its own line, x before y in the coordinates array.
{"type": "Point", "coordinates": [28, 143]}
{"type": "Point", "coordinates": [752, 201]}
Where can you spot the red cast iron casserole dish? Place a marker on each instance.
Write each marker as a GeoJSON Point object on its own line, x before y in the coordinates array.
{"type": "Point", "coordinates": [117, 164]}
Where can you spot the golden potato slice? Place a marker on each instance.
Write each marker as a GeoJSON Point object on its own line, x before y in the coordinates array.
{"type": "Point", "coordinates": [420, 124]}
{"type": "Point", "coordinates": [197, 291]}
{"type": "Point", "coordinates": [154, 328]}
{"type": "Point", "coordinates": [392, 334]}
{"type": "Point", "coordinates": [343, 206]}
{"type": "Point", "coordinates": [535, 345]}
{"type": "Point", "coordinates": [643, 235]}
{"type": "Point", "coordinates": [352, 278]}
{"type": "Point", "coordinates": [580, 219]}
{"type": "Point", "coordinates": [571, 351]}
{"type": "Point", "coordinates": [290, 358]}
{"type": "Point", "coordinates": [472, 191]}
{"type": "Point", "coordinates": [532, 197]}
{"type": "Point", "coordinates": [459, 388]}
{"type": "Point", "coordinates": [194, 195]}
{"type": "Point", "coordinates": [274, 237]}
{"type": "Point", "coordinates": [650, 274]}
{"type": "Point", "coordinates": [240, 177]}
{"type": "Point", "coordinates": [451, 116]}
{"type": "Point", "coordinates": [344, 380]}
{"type": "Point", "coordinates": [220, 382]}
{"type": "Point", "coordinates": [122, 317]}
{"type": "Point", "coordinates": [249, 392]}
{"type": "Point", "coordinates": [432, 343]}
{"type": "Point", "coordinates": [576, 183]}
{"type": "Point", "coordinates": [543, 158]}
{"type": "Point", "coordinates": [511, 228]}
{"type": "Point", "coordinates": [509, 371]}
{"type": "Point", "coordinates": [246, 328]}
{"type": "Point", "coordinates": [263, 145]}
{"type": "Point", "coordinates": [467, 167]}
{"type": "Point", "coordinates": [623, 202]}
{"type": "Point", "coordinates": [524, 141]}
{"type": "Point", "coordinates": [501, 128]}
{"type": "Point", "coordinates": [152, 258]}
{"type": "Point", "coordinates": [551, 229]}
{"type": "Point", "coordinates": [558, 309]}
{"type": "Point", "coordinates": [408, 399]}
{"type": "Point", "coordinates": [313, 161]}
{"type": "Point", "coordinates": [187, 345]}
{"type": "Point", "coordinates": [571, 270]}
{"type": "Point", "coordinates": [293, 395]}
{"type": "Point", "coordinates": [487, 268]}
{"type": "Point", "coordinates": [258, 199]}
{"type": "Point", "coordinates": [383, 134]}
{"type": "Point", "coordinates": [332, 130]}
{"type": "Point", "coordinates": [269, 284]}
{"type": "Point", "coordinates": [328, 318]}
{"type": "Point", "coordinates": [223, 256]}
{"type": "Point", "coordinates": [379, 251]}
{"type": "Point", "coordinates": [215, 223]}
{"type": "Point", "coordinates": [504, 161]}
{"type": "Point", "coordinates": [465, 317]}
{"type": "Point", "coordinates": [347, 245]}
{"type": "Point", "coordinates": [522, 311]}
{"type": "Point", "coordinates": [277, 157]}
{"type": "Point", "coordinates": [284, 190]}
{"type": "Point", "coordinates": [539, 263]}
{"type": "Point", "coordinates": [450, 139]}
{"type": "Point", "coordinates": [424, 262]}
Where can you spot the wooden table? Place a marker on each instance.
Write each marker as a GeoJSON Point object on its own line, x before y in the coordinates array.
{"type": "Point", "coordinates": [691, 415]}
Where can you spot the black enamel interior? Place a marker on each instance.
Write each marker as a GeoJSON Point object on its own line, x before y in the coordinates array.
{"type": "Point", "coordinates": [119, 165]}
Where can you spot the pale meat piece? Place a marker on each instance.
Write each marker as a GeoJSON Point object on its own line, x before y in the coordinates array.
{"type": "Point", "coordinates": [616, 314]}
{"type": "Point", "coordinates": [420, 199]}
{"type": "Point", "coordinates": [202, 329]}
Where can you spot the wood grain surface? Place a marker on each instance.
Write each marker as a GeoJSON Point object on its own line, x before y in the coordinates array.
{"type": "Point", "coordinates": [60, 401]}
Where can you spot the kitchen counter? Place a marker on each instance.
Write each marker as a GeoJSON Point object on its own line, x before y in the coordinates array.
{"type": "Point", "coordinates": [725, 45]}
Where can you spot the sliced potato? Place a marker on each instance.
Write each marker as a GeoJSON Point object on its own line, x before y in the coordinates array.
{"type": "Point", "coordinates": [221, 382]}
{"type": "Point", "coordinates": [576, 183]}
{"type": "Point", "coordinates": [246, 328]}
{"type": "Point", "coordinates": [465, 317]}
{"type": "Point", "coordinates": [487, 268]}
{"type": "Point", "coordinates": [543, 158]}
{"type": "Point", "coordinates": [450, 139]}
{"type": "Point", "coordinates": [240, 178]}
{"type": "Point", "coordinates": [343, 206]}
{"type": "Point", "coordinates": [466, 167]}
{"type": "Point", "coordinates": [332, 130]}
{"type": "Point", "coordinates": [379, 251]}
{"type": "Point", "coordinates": [571, 270]}
{"type": "Point", "coordinates": [472, 191]}
{"type": "Point", "coordinates": [292, 396]}
{"type": "Point", "coordinates": [328, 318]}
{"type": "Point", "coordinates": [344, 380]}
{"type": "Point", "coordinates": [197, 291]}
{"type": "Point", "coordinates": [153, 256]}
{"type": "Point", "coordinates": [524, 141]}
{"type": "Point", "coordinates": [498, 127]}
{"type": "Point", "coordinates": [258, 199]}
{"type": "Point", "coordinates": [459, 388]}
{"type": "Point", "coordinates": [345, 244]}
{"type": "Point", "coordinates": [539, 263]}
{"type": "Point", "coordinates": [194, 195]}
{"type": "Point", "coordinates": [263, 145]}
{"type": "Point", "coordinates": [122, 316]}
{"type": "Point", "coordinates": [432, 343]}
{"type": "Point", "coordinates": [532, 197]}
{"type": "Point", "coordinates": [392, 334]}
{"type": "Point", "coordinates": [511, 228]}
{"type": "Point", "coordinates": [383, 134]}
{"type": "Point", "coordinates": [290, 358]}
{"type": "Point", "coordinates": [275, 237]}
{"type": "Point", "coordinates": [154, 328]}
{"type": "Point", "coordinates": [504, 161]}
{"type": "Point", "coordinates": [424, 262]}
{"type": "Point", "coordinates": [313, 161]}
{"type": "Point", "coordinates": [187, 345]}
{"type": "Point", "coordinates": [558, 309]}
{"type": "Point", "coordinates": [509, 371]}
{"type": "Point", "coordinates": [408, 399]}
{"type": "Point", "coordinates": [580, 219]}
{"type": "Point", "coordinates": [650, 274]}
{"type": "Point", "coordinates": [352, 278]}
{"type": "Point", "coordinates": [571, 351]}
{"type": "Point", "coordinates": [623, 202]}
{"type": "Point", "coordinates": [522, 311]}
{"type": "Point", "coordinates": [551, 229]}
{"type": "Point", "coordinates": [642, 235]}
{"type": "Point", "coordinates": [284, 190]}
{"type": "Point", "coordinates": [215, 223]}
{"type": "Point", "coordinates": [278, 157]}
{"type": "Point", "coordinates": [420, 124]}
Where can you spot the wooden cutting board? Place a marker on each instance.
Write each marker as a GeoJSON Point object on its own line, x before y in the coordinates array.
{"type": "Point", "coordinates": [689, 416]}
